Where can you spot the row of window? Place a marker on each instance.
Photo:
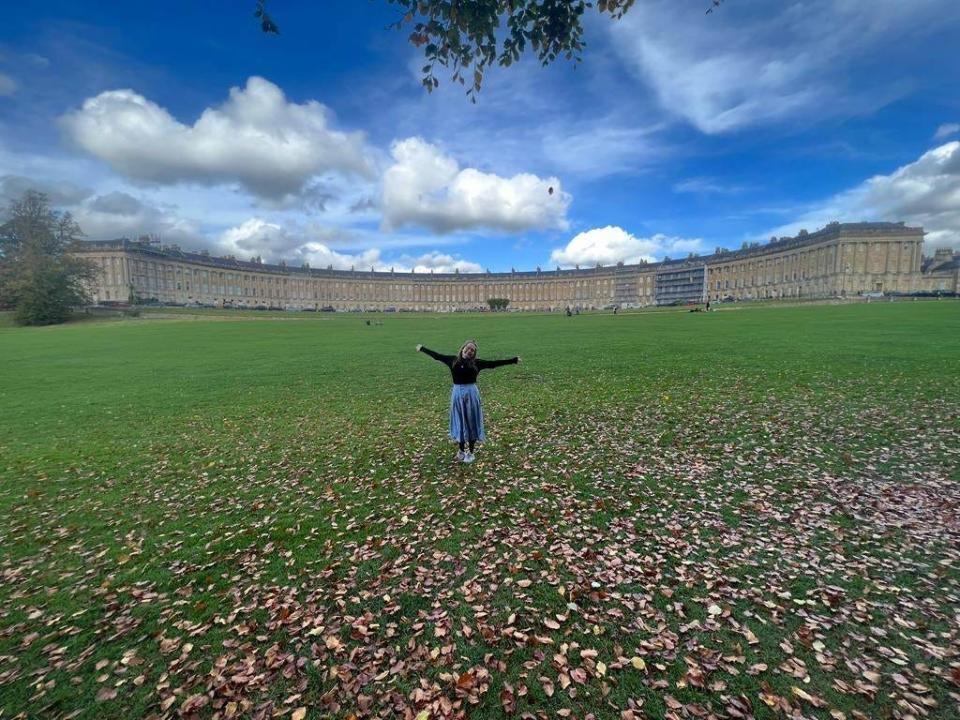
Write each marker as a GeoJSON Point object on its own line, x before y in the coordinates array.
{"type": "Point", "coordinates": [151, 276]}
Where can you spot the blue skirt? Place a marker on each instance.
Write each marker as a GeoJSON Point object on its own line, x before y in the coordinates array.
{"type": "Point", "coordinates": [466, 415]}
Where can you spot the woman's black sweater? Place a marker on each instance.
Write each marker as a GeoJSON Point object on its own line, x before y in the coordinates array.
{"type": "Point", "coordinates": [465, 373]}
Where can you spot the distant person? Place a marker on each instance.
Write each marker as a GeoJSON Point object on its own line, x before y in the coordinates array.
{"type": "Point", "coordinates": [614, 309]}
{"type": "Point", "coordinates": [466, 413]}
{"type": "Point", "coordinates": [708, 306]}
{"type": "Point", "coordinates": [569, 314]}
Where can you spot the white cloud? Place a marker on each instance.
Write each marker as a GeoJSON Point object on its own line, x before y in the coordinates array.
{"type": "Point", "coordinates": [106, 211]}
{"type": "Point", "coordinates": [547, 121]}
{"type": "Point", "coordinates": [610, 245]}
{"type": "Point", "coordinates": [946, 130]}
{"type": "Point", "coordinates": [8, 86]}
{"type": "Point", "coordinates": [116, 203]}
{"type": "Point", "coordinates": [313, 245]}
{"type": "Point", "coordinates": [436, 262]}
{"type": "Point", "coordinates": [59, 192]}
{"type": "Point", "coordinates": [118, 214]}
{"type": "Point", "coordinates": [755, 64]}
{"type": "Point", "coordinates": [46, 172]}
{"type": "Point", "coordinates": [37, 60]}
{"type": "Point", "coordinates": [259, 237]}
{"type": "Point", "coordinates": [273, 242]}
{"type": "Point", "coordinates": [257, 138]}
{"type": "Point", "coordinates": [427, 188]}
{"type": "Point", "coordinates": [601, 148]}
{"type": "Point", "coordinates": [923, 193]}
{"type": "Point", "coordinates": [706, 186]}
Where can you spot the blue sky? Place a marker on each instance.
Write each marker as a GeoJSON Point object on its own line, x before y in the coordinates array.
{"type": "Point", "coordinates": [679, 132]}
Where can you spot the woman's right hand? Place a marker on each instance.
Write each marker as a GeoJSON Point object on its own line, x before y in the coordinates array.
{"type": "Point", "coordinates": [418, 347]}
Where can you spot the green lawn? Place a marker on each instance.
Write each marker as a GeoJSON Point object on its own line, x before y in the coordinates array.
{"type": "Point", "coordinates": [749, 513]}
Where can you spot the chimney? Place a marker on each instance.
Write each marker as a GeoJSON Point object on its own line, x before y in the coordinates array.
{"type": "Point", "coordinates": [942, 255]}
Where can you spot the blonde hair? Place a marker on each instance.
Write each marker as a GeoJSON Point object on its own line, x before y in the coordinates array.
{"type": "Point", "coordinates": [460, 359]}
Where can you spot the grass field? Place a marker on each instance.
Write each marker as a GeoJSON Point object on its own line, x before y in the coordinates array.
{"type": "Point", "coordinates": [747, 513]}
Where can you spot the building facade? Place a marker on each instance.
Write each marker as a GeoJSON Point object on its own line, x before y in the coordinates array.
{"type": "Point", "coordinates": [681, 284]}
{"type": "Point", "coordinates": [838, 260]}
{"type": "Point", "coordinates": [942, 272]}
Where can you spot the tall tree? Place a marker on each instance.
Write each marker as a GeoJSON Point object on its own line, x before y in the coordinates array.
{"type": "Point", "coordinates": [468, 36]}
{"type": "Point", "coordinates": [39, 277]}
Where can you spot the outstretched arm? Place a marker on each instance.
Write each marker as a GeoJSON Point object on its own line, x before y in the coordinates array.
{"type": "Point", "coordinates": [490, 364]}
{"type": "Point", "coordinates": [445, 359]}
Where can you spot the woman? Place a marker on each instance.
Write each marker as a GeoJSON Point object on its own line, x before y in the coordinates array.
{"type": "Point", "coordinates": [466, 415]}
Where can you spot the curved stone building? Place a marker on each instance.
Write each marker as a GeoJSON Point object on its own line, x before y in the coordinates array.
{"type": "Point", "coordinates": [838, 260]}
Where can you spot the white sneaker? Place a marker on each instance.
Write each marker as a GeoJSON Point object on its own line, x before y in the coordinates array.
{"type": "Point", "coordinates": [460, 455]}
{"type": "Point", "coordinates": [469, 457]}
